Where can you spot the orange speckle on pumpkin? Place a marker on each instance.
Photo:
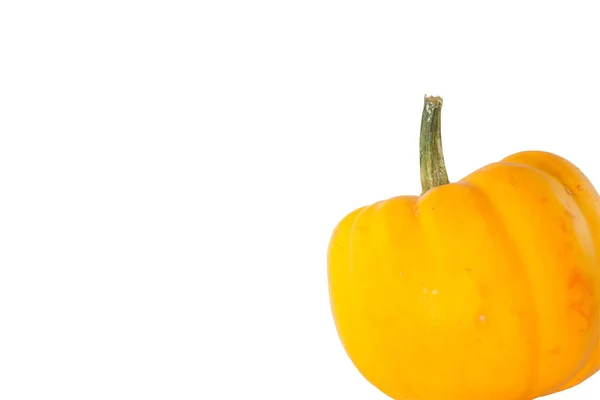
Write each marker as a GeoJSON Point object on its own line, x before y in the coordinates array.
{"type": "Point", "coordinates": [569, 213]}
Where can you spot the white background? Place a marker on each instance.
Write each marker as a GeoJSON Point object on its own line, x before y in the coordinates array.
{"type": "Point", "coordinates": [170, 173]}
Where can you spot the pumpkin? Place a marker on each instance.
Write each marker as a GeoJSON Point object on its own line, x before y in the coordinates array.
{"type": "Point", "coordinates": [486, 288]}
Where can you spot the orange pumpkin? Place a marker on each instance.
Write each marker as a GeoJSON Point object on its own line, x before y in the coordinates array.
{"type": "Point", "coordinates": [487, 288]}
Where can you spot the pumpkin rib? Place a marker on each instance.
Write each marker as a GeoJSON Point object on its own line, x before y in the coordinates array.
{"type": "Point", "coordinates": [359, 215]}
{"type": "Point", "coordinates": [442, 210]}
{"type": "Point", "coordinates": [553, 175]}
{"type": "Point", "coordinates": [529, 325]}
{"type": "Point", "coordinates": [576, 200]}
{"type": "Point", "coordinates": [339, 270]}
{"type": "Point", "coordinates": [583, 233]}
{"type": "Point", "coordinates": [535, 161]}
{"type": "Point", "coordinates": [585, 197]}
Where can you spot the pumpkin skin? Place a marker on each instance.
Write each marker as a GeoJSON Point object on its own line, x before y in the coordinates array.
{"type": "Point", "coordinates": [487, 288]}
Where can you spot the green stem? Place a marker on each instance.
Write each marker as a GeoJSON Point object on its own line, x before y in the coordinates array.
{"type": "Point", "coordinates": [433, 168]}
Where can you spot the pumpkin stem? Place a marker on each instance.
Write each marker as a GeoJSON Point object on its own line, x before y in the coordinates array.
{"type": "Point", "coordinates": [433, 168]}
